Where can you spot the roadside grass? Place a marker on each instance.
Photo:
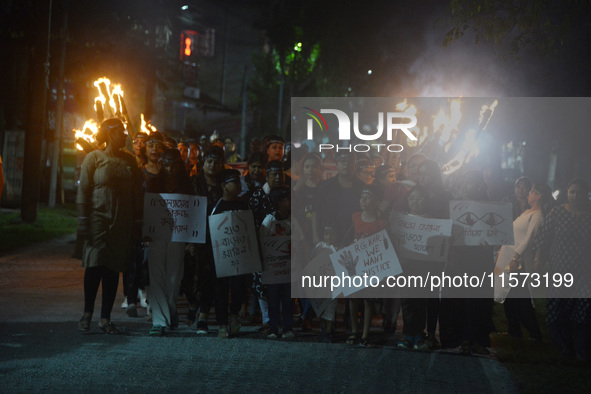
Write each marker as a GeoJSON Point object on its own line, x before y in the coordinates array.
{"type": "Point", "coordinates": [51, 223]}
{"type": "Point", "coordinates": [538, 367]}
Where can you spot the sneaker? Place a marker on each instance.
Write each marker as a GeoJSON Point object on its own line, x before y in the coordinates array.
{"type": "Point", "coordinates": [406, 343]}
{"type": "Point", "coordinates": [131, 310]}
{"type": "Point", "coordinates": [272, 336]}
{"type": "Point", "coordinates": [223, 332]}
{"type": "Point", "coordinates": [265, 328]}
{"type": "Point", "coordinates": [143, 300]}
{"type": "Point", "coordinates": [124, 303]}
{"type": "Point", "coordinates": [202, 328]}
{"type": "Point", "coordinates": [288, 335]}
{"type": "Point", "coordinates": [420, 344]}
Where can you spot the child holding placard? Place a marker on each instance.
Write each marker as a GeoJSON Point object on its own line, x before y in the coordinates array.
{"type": "Point", "coordinates": [365, 223]}
{"type": "Point", "coordinates": [281, 305]}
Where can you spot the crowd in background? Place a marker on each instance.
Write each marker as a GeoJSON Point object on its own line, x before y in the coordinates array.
{"type": "Point", "coordinates": [325, 214]}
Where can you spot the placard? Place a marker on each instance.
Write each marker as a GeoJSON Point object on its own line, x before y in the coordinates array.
{"type": "Point", "coordinates": [276, 259]}
{"type": "Point", "coordinates": [419, 238]}
{"type": "Point", "coordinates": [175, 217]}
{"type": "Point", "coordinates": [320, 267]}
{"type": "Point", "coordinates": [361, 262]}
{"type": "Point", "coordinates": [481, 223]}
{"type": "Point", "coordinates": [234, 242]}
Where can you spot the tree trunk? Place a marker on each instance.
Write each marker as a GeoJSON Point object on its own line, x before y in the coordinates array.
{"type": "Point", "coordinates": [35, 126]}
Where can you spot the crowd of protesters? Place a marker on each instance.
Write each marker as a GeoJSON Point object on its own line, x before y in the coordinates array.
{"type": "Point", "coordinates": [327, 213]}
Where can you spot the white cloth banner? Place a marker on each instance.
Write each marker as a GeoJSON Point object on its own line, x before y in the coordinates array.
{"type": "Point", "coordinates": [175, 217]}
{"type": "Point", "coordinates": [479, 223]}
{"type": "Point", "coordinates": [363, 260]}
{"type": "Point", "coordinates": [276, 259]}
{"type": "Point", "coordinates": [420, 238]}
{"type": "Point", "coordinates": [234, 242]}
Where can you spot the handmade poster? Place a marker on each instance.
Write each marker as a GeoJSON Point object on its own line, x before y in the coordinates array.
{"type": "Point", "coordinates": [175, 217]}
{"type": "Point", "coordinates": [420, 238]}
{"type": "Point", "coordinates": [313, 283]}
{"type": "Point", "coordinates": [365, 263]}
{"type": "Point", "coordinates": [325, 308]}
{"type": "Point", "coordinates": [481, 223]}
{"type": "Point", "coordinates": [234, 242]}
{"type": "Point", "coordinates": [276, 259]}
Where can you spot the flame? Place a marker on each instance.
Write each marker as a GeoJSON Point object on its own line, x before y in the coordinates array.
{"type": "Point", "coordinates": [487, 110]}
{"type": "Point", "coordinates": [446, 125]}
{"type": "Point", "coordinates": [420, 134]}
{"type": "Point", "coordinates": [101, 96]}
{"type": "Point", "coordinates": [114, 105]}
{"type": "Point", "coordinates": [88, 133]}
{"type": "Point", "coordinates": [469, 150]}
{"type": "Point", "coordinates": [411, 109]}
{"type": "Point", "coordinates": [407, 108]}
{"type": "Point", "coordinates": [147, 127]}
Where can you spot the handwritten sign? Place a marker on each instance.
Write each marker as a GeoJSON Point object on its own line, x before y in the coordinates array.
{"type": "Point", "coordinates": [325, 308]}
{"type": "Point", "coordinates": [175, 217]}
{"type": "Point", "coordinates": [477, 223]}
{"type": "Point", "coordinates": [318, 268]}
{"type": "Point", "coordinates": [420, 238]}
{"type": "Point", "coordinates": [234, 242]}
{"type": "Point", "coordinates": [364, 261]}
{"type": "Point", "coordinates": [276, 259]}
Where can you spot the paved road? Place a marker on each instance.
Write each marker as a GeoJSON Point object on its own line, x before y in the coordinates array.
{"type": "Point", "coordinates": [41, 350]}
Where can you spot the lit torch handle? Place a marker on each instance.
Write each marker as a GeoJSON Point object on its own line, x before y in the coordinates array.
{"type": "Point", "coordinates": [117, 105]}
{"type": "Point", "coordinates": [126, 115]}
{"type": "Point", "coordinates": [100, 114]}
{"type": "Point", "coordinates": [105, 93]}
{"type": "Point", "coordinates": [87, 147]}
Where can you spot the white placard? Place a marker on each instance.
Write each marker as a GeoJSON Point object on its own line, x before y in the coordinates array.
{"type": "Point", "coordinates": [319, 268]}
{"type": "Point", "coordinates": [373, 256]}
{"type": "Point", "coordinates": [481, 223]}
{"type": "Point", "coordinates": [325, 308]}
{"type": "Point", "coordinates": [419, 238]}
{"type": "Point", "coordinates": [276, 259]}
{"type": "Point", "coordinates": [175, 217]}
{"type": "Point", "coordinates": [234, 243]}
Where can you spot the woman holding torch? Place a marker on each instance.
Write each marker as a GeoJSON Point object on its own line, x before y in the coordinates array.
{"type": "Point", "coordinates": [109, 215]}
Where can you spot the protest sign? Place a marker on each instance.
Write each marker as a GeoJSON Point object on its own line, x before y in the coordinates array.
{"type": "Point", "coordinates": [316, 270]}
{"type": "Point", "coordinates": [234, 242]}
{"type": "Point", "coordinates": [325, 308]}
{"type": "Point", "coordinates": [419, 238]}
{"type": "Point", "coordinates": [276, 259]}
{"type": "Point", "coordinates": [479, 223]}
{"type": "Point", "coordinates": [175, 217]}
{"type": "Point", "coordinates": [360, 263]}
